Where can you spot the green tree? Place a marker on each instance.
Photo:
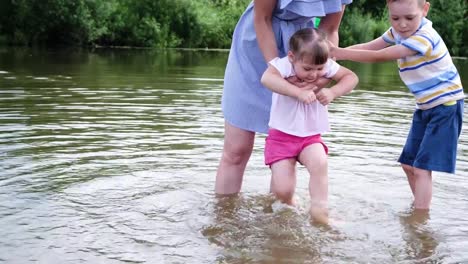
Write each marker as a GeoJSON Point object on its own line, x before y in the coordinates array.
{"type": "Point", "coordinates": [187, 23]}
{"type": "Point", "coordinates": [449, 18]}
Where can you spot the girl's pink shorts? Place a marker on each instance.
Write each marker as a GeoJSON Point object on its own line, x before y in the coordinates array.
{"type": "Point", "coordinates": [280, 146]}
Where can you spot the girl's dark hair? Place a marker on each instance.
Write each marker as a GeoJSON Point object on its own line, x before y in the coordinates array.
{"type": "Point", "coordinates": [309, 44]}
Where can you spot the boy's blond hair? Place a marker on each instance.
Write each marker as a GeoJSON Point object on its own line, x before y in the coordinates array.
{"type": "Point", "coordinates": [420, 2]}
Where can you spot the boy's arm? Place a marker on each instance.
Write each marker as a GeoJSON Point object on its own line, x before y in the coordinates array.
{"type": "Point", "coordinates": [376, 44]}
{"type": "Point", "coordinates": [363, 55]}
{"type": "Point", "coordinates": [345, 79]}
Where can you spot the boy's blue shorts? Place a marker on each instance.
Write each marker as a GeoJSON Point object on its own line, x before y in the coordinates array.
{"type": "Point", "coordinates": [433, 137]}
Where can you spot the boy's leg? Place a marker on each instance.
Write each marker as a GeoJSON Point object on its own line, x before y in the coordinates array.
{"type": "Point", "coordinates": [423, 189]}
{"type": "Point", "coordinates": [314, 158]}
{"type": "Point", "coordinates": [283, 180]}
{"type": "Point", "coordinates": [409, 171]}
{"type": "Point", "coordinates": [420, 182]}
{"type": "Point", "coordinates": [431, 145]}
{"type": "Point", "coordinates": [411, 149]}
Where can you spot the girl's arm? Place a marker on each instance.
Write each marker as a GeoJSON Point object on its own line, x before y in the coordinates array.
{"type": "Point", "coordinates": [273, 80]}
{"type": "Point", "coordinates": [345, 79]}
{"type": "Point", "coordinates": [263, 11]}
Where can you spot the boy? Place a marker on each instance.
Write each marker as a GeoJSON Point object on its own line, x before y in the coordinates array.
{"type": "Point", "coordinates": [427, 69]}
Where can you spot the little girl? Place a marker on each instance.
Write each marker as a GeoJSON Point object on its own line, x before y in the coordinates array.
{"type": "Point", "coordinates": [300, 116]}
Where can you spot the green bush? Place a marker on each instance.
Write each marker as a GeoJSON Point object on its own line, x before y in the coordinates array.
{"type": "Point", "coordinates": [148, 23]}
{"type": "Point", "coordinates": [359, 27]}
{"type": "Point", "coordinates": [449, 19]}
{"type": "Point", "coordinates": [50, 22]}
{"type": "Point", "coordinates": [187, 23]}
{"type": "Point", "coordinates": [218, 19]}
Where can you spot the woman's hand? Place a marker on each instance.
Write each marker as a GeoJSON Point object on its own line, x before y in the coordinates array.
{"type": "Point", "coordinates": [325, 96]}
{"type": "Point", "coordinates": [317, 85]}
{"type": "Point", "coordinates": [296, 81]}
{"type": "Point", "coordinates": [307, 95]}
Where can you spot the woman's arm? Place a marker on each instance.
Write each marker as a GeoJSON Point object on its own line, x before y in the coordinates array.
{"type": "Point", "coordinates": [273, 80]}
{"type": "Point", "coordinates": [330, 25]}
{"type": "Point", "coordinates": [263, 11]}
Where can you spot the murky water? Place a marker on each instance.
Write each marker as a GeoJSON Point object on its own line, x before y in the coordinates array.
{"type": "Point", "coordinates": [110, 157]}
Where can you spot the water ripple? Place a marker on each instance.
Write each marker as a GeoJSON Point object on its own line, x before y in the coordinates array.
{"type": "Point", "coordinates": [118, 166]}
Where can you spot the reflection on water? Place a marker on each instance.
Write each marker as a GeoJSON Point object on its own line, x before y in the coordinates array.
{"type": "Point", "coordinates": [420, 239]}
{"type": "Point", "coordinates": [110, 157]}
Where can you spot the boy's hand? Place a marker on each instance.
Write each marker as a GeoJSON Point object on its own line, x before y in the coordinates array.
{"type": "Point", "coordinates": [307, 96]}
{"type": "Point", "coordinates": [325, 96]}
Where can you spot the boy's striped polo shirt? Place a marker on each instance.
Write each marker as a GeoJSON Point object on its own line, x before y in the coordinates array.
{"type": "Point", "coordinates": [429, 74]}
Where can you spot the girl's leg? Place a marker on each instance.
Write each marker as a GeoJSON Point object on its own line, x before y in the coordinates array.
{"type": "Point", "coordinates": [422, 189]}
{"type": "Point", "coordinates": [315, 160]}
{"type": "Point", "coordinates": [238, 145]}
{"type": "Point", "coordinates": [410, 175]}
{"type": "Point", "coordinates": [283, 180]}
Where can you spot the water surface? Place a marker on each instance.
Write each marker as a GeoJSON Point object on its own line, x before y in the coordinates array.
{"type": "Point", "coordinates": [110, 157]}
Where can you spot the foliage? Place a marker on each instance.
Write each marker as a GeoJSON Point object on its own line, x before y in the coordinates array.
{"type": "Point", "coordinates": [187, 23]}
{"type": "Point", "coordinates": [449, 18]}
{"type": "Point", "coordinates": [49, 21]}
{"type": "Point", "coordinates": [219, 20]}
{"type": "Point", "coordinates": [359, 27]}
{"type": "Point", "coordinates": [162, 23]}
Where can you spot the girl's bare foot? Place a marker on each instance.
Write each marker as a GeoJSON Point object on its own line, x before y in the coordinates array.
{"type": "Point", "coordinates": [318, 215]}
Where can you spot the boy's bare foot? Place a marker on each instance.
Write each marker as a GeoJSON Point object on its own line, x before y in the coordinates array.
{"type": "Point", "coordinates": [417, 217]}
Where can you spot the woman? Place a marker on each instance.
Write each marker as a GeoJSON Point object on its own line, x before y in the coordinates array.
{"type": "Point", "coordinates": [261, 34]}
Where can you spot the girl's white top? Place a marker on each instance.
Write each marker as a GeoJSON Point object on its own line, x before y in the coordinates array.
{"type": "Point", "coordinates": [293, 117]}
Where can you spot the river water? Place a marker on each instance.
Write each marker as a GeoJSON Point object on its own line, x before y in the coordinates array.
{"type": "Point", "coordinates": [110, 156]}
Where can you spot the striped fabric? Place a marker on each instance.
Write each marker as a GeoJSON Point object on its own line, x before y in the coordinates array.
{"type": "Point", "coordinates": [430, 74]}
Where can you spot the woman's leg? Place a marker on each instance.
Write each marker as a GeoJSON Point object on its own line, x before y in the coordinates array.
{"type": "Point", "coordinates": [314, 158]}
{"type": "Point", "coordinates": [238, 145]}
{"type": "Point", "coordinates": [283, 180]}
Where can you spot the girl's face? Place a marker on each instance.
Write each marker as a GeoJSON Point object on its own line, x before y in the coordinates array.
{"type": "Point", "coordinates": [306, 71]}
{"type": "Point", "coordinates": [406, 15]}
